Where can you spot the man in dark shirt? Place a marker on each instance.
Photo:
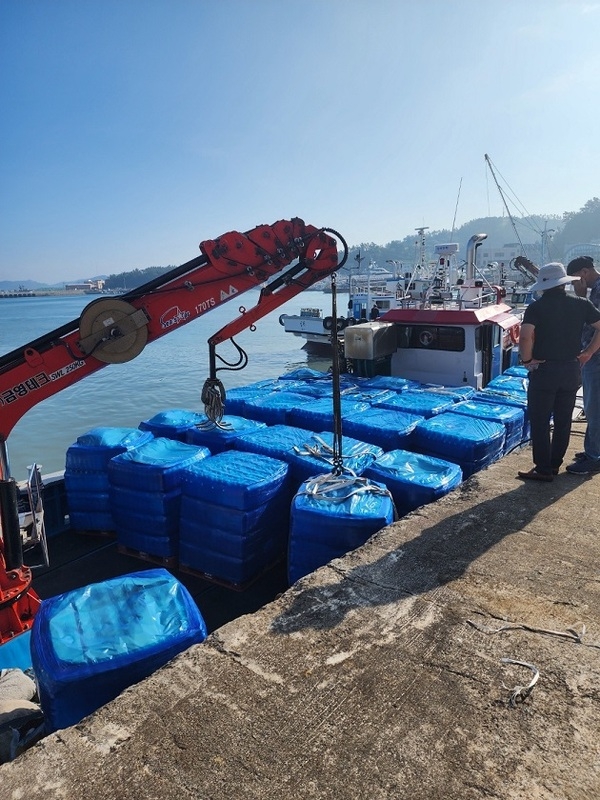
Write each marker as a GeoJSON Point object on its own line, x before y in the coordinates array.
{"type": "Point", "coordinates": [550, 348]}
{"type": "Point", "coordinates": [374, 312]}
{"type": "Point", "coordinates": [588, 461]}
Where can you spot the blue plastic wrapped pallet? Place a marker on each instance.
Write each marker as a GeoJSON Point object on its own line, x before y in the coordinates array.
{"type": "Point", "coordinates": [509, 399]}
{"type": "Point", "coordinates": [277, 441]}
{"type": "Point", "coordinates": [457, 393]}
{"type": "Point", "coordinates": [414, 479]}
{"type": "Point", "coordinates": [317, 415]}
{"type": "Point", "coordinates": [233, 480]}
{"type": "Point", "coordinates": [324, 387]}
{"type": "Point", "coordinates": [223, 436]}
{"type": "Point", "coordinates": [90, 644]}
{"type": "Point", "coordinates": [517, 371]}
{"type": "Point", "coordinates": [328, 524]}
{"type": "Point", "coordinates": [395, 384]}
{"type": "Point", "coordinates": [509, 383]}
{"type": "Point", "coordinates": [512, 417]}
{"type": "Point", "coordinates": [145, 490]}
{"type": "Point", "coordinates": [420, 402]}
{"type": "Point", "coordinates": [390, 430]}
{"type": "Point", "coordinates": [315, 456]}
{"type": "Point", "coordinates": [235, 397]}
{"type": "Point", "coordinates": [86, 474]}
{"type": "Point", "coordinates": [273, 408]}
{"type": "Point", "coordinates": [470, 442]}
{"type": "Point", "coordinates": [234, 521]}
{"type": "Point", "coordinates": [173, 423]}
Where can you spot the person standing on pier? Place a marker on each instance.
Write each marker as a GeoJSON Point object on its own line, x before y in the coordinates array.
{"type": "Point", "coordinates": [550, 349]}
{"type": "Point", "coordinates": [588, 461]}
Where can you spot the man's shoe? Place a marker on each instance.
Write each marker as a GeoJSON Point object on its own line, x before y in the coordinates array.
{"type": "Point", "coordinates": [534, 475]}
{"type": "Point", "coordinates": [584, 466]}
{"type": "Point", "coordinates": [579, 455]}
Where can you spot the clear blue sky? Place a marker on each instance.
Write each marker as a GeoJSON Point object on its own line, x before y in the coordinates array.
{"type": "Point", "coordinates": [133, 129]}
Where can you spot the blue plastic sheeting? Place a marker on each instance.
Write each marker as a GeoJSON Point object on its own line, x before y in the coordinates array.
{"type": "Point", "coordinates": [86, 481]}
{"type": "Point", "coordinates": [459, 438]}
{"type": "Point", "coordinates": [390, 430]}
{"type": "Point", "coordinates": [210, 518]}
{"type": "Point", "coordinates": [305, 374]}
{"type": "Point", "coordinates": [315, 456]}
{"type": "Point", "coordinates": [324, 388]}
{"type": "Point", "coordinates": [317, 415]}
{"type": "Point", "coordinates": [89, 501]}
{"type": "Point", "coordinates": [277, 441]}
{"type": "Point", "coordinates": [371, 396]}
{"type": "Point", "coordinates": [234, 480]}
{"type": "Point", "coordinates": [395, 384]}
{"type": "Point", "coordinates": [518, 399]}
{"type": "Point", "coordinates": [455, 392]}
{"type": "Point", "coordinates": [90, 644]}
{"type": "Point", "coordinates": [417, 401]}
{"type": "Point", "coordinates": [273, 408]}
{"type": "Point", "coordinates": [135, 501]}
{"type": "Point", "coordinates": [509, 383]}
{"type": "Point", "coordinates": [218, 439]}
{"type": "Point", "coordinates": [512, 417]}
{"type": "Point", "coordinates": [414, 479]}
{"type": "Point", "coordinates": [234, 398]}
{"type": "Point", "coordinates": [323, 528]}
{"type": "Point", "coordinates": [91, 520]}
{"type": "Point", "coordinates": [231, 545]}
{"type": "Point", "coordinates": [155, 466]}
{"type": "Point", "coordinates": [94, 449]}
{"type": "Point", "coordinates": [16, 652]}
{"type": "Point", "coordinates": [86, 474]}
{"type": "Point", "coordinates": [517, 372]}
{"type": "Point", "coordinates": [173, 423]}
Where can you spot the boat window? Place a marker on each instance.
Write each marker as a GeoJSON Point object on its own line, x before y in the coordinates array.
{"type": "Point", "coordinates": [478, 335]}
{"type": "Point", "coordinates": [431, 337]}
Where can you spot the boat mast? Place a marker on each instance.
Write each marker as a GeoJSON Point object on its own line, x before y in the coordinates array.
{"type": "Point", "coordinates": [510, 216]}
{"type": "Point", "coordinates": [421, 243]}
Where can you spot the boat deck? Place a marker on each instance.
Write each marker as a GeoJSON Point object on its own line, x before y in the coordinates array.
{"type": "Point", "coordinates": [77, 559]}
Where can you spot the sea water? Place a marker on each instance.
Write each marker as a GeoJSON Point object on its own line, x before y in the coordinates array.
{"type": "Point", "coordinates": [169, 373]}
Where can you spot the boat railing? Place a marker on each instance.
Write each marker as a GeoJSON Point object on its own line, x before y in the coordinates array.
{"type": "Point", "coordinates": [311, 312]}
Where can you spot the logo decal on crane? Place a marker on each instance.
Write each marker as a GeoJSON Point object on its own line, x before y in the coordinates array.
{"type": "Point", "coordinates": [230, 293]}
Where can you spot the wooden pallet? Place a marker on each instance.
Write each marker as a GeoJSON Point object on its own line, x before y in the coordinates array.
{"type": "Point", "coordinates": [236, 587]}
{"type": "Point", "coordinates": [169, 562]}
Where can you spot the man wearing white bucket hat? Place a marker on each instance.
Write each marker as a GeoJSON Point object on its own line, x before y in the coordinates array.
{"type": "Point", "coordinates": [550, 349]}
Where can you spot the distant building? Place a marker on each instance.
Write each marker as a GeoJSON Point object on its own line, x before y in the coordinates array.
{"type": "Point", "coordinates": [576, 250]}
{"type": "Point", "coordinates": [502, 256]}
{"type": "Point", "coordinates": [91, 287]}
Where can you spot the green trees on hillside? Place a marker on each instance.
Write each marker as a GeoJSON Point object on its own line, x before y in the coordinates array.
{"type": "Point", "coordinates": [575, 227]}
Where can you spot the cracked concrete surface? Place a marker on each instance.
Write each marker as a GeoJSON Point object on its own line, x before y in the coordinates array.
{"type": "Point", "coordinates": [381, 675]}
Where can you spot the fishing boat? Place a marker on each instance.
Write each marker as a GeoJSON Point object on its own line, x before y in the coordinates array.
{"type": "Point", "coordinates": [431, 285]}
{"type": "Point", "coordinates": [268, 481]}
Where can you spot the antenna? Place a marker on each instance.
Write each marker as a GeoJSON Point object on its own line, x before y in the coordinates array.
{"type": "Point", "coordinates": [455, 210]}
{"type": "Point", "coordinates": [421, 243]}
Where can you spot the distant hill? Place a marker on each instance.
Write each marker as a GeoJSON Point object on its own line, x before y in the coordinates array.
{"type": "Point", "coordinates": [13, 286]}
{"type": "Point", "coordinates": [559, 231]}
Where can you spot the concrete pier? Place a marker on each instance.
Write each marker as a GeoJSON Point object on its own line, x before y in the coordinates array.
{"type": "Point", "coordinates": [382, 675]}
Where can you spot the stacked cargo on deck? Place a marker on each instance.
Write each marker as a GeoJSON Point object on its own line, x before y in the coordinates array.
{"type": "Point", "coordinates": [217, 499]}
{"type": "Point", "coordinates": [145, 492]}
{"type": "Point", "coordinates": [86, 474]}
{"type": "Point", "coordinates": [234, 521]}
